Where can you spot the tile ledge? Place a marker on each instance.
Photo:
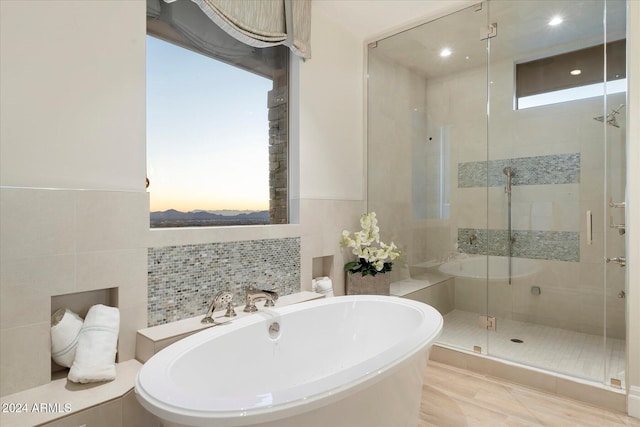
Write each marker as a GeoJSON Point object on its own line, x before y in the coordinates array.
{"type": "Point", "coordinates": [192, 324]}
{"type": "Point", "coordinates": [61, 398]}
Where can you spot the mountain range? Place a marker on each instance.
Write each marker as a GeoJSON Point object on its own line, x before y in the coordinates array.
{"type": "Point", "coordinates": [176, 218]}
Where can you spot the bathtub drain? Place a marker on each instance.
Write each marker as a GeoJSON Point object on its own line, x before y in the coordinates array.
{"type": "Point", "coordinates": [517, 340]}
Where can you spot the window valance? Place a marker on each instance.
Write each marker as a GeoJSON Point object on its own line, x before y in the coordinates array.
{"type": "Point", "coordinates": [258, 23]}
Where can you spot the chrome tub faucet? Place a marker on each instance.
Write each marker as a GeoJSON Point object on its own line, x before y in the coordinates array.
{"type": "Point", "coordinates": [222, 299]}
{"type": "Point", "coordinates": [254, 295]}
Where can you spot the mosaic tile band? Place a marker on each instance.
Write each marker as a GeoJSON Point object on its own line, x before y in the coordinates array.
{"type": "Point", "coordinates": [539, 170]}
{"type": "Point", "coordinates": [182, 280]}
{"type": "Point", "coordinates": [549, 245]}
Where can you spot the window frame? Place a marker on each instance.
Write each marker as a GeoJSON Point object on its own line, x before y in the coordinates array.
{"type": "Point", "coordinates": [283, 202]}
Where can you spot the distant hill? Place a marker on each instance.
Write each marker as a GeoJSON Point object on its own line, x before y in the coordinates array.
{"type": "Point", "coordinates": [198, 218]}
{"type": "Point", "coordinates": [226, 212]}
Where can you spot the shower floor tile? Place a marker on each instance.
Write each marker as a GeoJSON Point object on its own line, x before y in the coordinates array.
{"type": "Point", "coordinates": [558, 350]}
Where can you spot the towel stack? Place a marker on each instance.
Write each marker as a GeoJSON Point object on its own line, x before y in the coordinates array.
{"type": "Point", "coordinates": [65, 330]}
{"type": "Point", "coordinates": [92, 358]}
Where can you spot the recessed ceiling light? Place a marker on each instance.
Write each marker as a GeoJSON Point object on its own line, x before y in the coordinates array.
{"type": "Point", "coordinates": [445, 52]}
{"type": "Point", "coordinates": [556, 20]}
{"type": "Point", "coordinates": [575, 72]}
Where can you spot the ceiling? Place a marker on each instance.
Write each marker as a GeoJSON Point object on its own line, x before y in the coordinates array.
{"type": "Point", "coordinates": [369, 19]}
{"type": "Point", "coordinates": [523, 30]}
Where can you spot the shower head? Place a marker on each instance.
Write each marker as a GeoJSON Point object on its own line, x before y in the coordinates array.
{"type": "Point", "coordinates": [611, 117]}
{"type": "Point", "coordinates": [611, 120]}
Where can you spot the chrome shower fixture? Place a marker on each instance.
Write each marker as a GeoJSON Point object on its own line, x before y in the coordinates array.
{"type": "Point", "coordinates": [611, 117]}
{"type": "Point", "coordinates": [509, 173]}
{"type": "Point", "coordinates": [510, 240]}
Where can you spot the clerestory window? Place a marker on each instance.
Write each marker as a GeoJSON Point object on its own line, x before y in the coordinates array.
{"type": "Point", "coordinates": [571, 76]}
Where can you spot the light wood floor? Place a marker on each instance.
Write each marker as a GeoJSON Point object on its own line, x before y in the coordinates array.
{"type": "Point", "coordinates": [455, 397]}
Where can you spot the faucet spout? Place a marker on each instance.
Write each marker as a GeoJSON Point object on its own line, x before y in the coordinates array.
{"type": "Point", "coordinates": [254, 295]}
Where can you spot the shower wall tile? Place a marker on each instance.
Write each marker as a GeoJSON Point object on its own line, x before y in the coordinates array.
{"type": "Point", "coordinates": [182, 280]}
{"type": "Point", "coordinates": [591, 275]}
{"type": "Point", "coordinates": [594, 252]}
{"type": "Point", "coordinates": [554, 169]}
{"type": "Point", "coordinates": [559, 273]}
{"type": "Point", "coordinates": [550, 245]}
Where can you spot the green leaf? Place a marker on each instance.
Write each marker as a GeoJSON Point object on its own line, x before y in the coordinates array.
{"type": "Point", "coordinates": [352, 266]}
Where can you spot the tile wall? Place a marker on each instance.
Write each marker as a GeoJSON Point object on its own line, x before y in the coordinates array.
{"type": "Point", "coordinates": [58, 242]}
{"type": "Point", "coordinates": [536, 170]}
{"type": "Point", "coordinates": [536, 244]}
{"type": "Point", "coordinates": [184, 279]}
{"type": "Point", "coordinates": [530, 242]}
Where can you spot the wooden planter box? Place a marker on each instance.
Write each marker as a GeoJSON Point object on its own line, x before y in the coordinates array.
{"type": "Point", "coordinates": [357, 284]}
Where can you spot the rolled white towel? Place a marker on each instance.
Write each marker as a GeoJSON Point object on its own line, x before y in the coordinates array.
{"type": "Point", "coordinates": [65, 330]}
{"type": "Point", "coordinates": [97, 346]}
{"type": "Point", "coordinates": [324, 285]}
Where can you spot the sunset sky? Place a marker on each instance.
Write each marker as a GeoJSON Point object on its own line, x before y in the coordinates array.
{"type": "Point", "coordinates": [207, 132]}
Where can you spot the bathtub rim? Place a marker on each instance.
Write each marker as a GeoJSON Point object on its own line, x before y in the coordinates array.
{"type": "Point", "coordinates": [302, 403]}
{"type": "Point", "coordinates": [535, 267]}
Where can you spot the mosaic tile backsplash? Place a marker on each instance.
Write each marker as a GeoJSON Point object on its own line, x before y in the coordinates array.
{"type": "Point", "coordinates": [183, 280]}
{"type": "Point", "coordinates": [549, 245]}
{"type": "Point", "coordinates": [554, 169]}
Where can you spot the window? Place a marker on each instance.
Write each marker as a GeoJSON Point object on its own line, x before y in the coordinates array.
{"type": "Point", "coordinates": [217, 125]}
{"type": "Point", "coordinates": [570, 76]}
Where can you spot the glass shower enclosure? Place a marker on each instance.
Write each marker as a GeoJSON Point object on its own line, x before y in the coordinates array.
{"type": "Point", "coordinates": [495, 160]}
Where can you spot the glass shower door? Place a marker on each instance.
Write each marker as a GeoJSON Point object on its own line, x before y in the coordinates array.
{"type": "Point", "coordinates": [426, 117]}
{"type": "Point", "coordinates": [548, 157]}
{"type": "Point", "coordinates": [493, 154]}
{"type": "Point", "coordinates": [614, 277]}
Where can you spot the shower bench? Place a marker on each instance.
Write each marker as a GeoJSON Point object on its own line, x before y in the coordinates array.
{"type": "Point", "coordinates": [429, 286]}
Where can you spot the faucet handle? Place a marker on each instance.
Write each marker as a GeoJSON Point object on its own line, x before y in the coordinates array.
{"type": "Point", "coordinates": [230, 311]}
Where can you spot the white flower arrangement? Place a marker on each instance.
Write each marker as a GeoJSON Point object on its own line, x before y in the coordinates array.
{"type": "Point", "coordinates": [374, 256]}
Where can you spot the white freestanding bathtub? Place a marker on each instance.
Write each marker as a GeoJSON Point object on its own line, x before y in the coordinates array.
{"type": "Point", "coordinates": [348, 361]}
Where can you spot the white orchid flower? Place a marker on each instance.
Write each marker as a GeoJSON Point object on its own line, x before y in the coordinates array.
{"type": "Point", "coordinates": [367, 246]}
